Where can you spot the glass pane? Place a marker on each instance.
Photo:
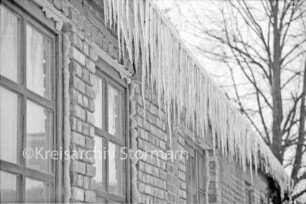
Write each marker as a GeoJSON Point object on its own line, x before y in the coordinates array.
{"type": "Point", "coordinates": [115, 169]}
{"type": "Point", "coordinates": [37, 191]}
{"type": "Point", "coordinates": [9, 119]}
{"type": "Point", "coordinates": [100, 200]}
{"type": "Point", "coordinates": [39, 136]}
{"type": "Point", "coordinates": [202, 171]}
{"type": "Point", "coordinates": [191, 173]}
{"type": "Point", "coordinates": [191, 198]}
{"type": "Point", "coordinates": [99, 156]}
{"type": "Point", "coordinates": [98, 103]}
{"type": "Point", "coordinates": [8, 187]}
{"type": "Point", "coordinates": [8, 44]}
{"type": "Point", "coordinates": [38, 62]}
{"type": "Point", "coordinates": [202, 198]}
{"type": "Point", "coordinates": [112, 202]}
{"type": "Point", "coordinates": [114, 111]}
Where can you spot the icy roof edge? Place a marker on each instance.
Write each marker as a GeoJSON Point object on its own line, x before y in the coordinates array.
{"type": "Point", "coordinates": [180, 79]}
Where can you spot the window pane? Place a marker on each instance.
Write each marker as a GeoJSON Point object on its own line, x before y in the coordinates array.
{"type": "Point", "coordinates": [202, 171]}
{"type": "Point", "coordinates": [8, 187]}
{"type": "Point", "coordinates": [99, 156]}
{"type": "Point", "coordinates": [191, 198]}
{"type": "Point", "coordinates": [39, 136]}
{"type": "Point", "coordinates": [114, 111]}
{"type": "Point", "coordinates": [9, 119]}
{"type": "Point", "coordinates": [100, 200]}
{"type": "Point", "coordinates": [98, 103]}
{"type": "Point", "coordinates": [37, 191]}
{"type": "Point", "coordinates": [115, 169]}
{"type": "Point", "coordinates": [191, 173]}
{"type": "Point", "coordinates": [38, 62]}
{"type": "Point", "coordinates": [112, 202]}
{"type": "Point", "coordinates": [8, 44]}
{"type": "Point", "coordinates": [202, 198]}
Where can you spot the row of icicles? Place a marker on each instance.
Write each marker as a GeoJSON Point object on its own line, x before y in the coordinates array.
{"type": "Point", "coordinates": [181, 82]}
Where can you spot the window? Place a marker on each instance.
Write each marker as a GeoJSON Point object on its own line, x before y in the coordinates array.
{"type": "Point", "coordinates": [27, 108]}
{"type": "Point", "coordinates": [202, 175]}
{"type": "Point", "coordinates": [191, 176]}
{"type": "Point", "coordinates": [196, 171]}
{"type": "Point", "coordinates": [110, 179]}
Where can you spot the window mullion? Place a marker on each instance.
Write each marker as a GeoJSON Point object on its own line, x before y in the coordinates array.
{"type": "Point", "coordinates": [105, 123]}
{"type": "Point", "coordinates": [23, 106]}
{"type": "Point", "coordinates": [106, 166]}
{"type": "Point", "coordinates": [105, 105]}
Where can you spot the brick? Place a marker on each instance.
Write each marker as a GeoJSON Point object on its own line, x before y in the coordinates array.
{"type": "Point", "coordinates": [86, 47]}
{"type": "Point", "coordinates": [78, 84]}
{"type": "Point", "coordinates": [78, 56]}
{"type": "Point", "coordinates": [85, 129]}
{"type": "Point", "coordinates": [78, 138]}
{"type": "Point", "coordinates": [79, 126]}
{"type": "Point", "coordinates": [73, 95]}
{"type": "Point", "coordinates": [77, 194]}
{"type": "Point", "coordinates": [81, 21]}
{"type": "Point", "coordinates": [65, 8]}
{"type": "Point", "coordinates": [90, 196]}
{"type": "Point", "coordinates": [86, 182]}
{"type": "Point", "coordinates": [78, 112]}
{"type": "Point", "coordinates": [93, 54]}
{"type": "Point", "coordinates": [90, 65]}
{"type": "Point", "coordinates": [90, 92]}
{"type": "Point", "coordinates": [116, 53]}
{"type": "Point", "coordinates": [78, 167]}
{"type": "Point", "coordinates": [77, 30]}
{"type": "Point", "coordinates": [85, 76]}
{"type": "Point", "coordinates": [86, 102]}
{"type": "Point", "coordinates": [92, 131]}
{"type": "Point", "coordinates": [87, 29]}
{"type": "Point", "coordinates": [76, 40]}
{"type": "Point", "coordinates": [91, 105]}
{"type": "Point", "coordinates": [80, 99]}
{"type": "Point", "coordinates": [90, 118]}
{"type": "Point", "coordinates": [73, 123]}
{"type": "Point", "coordinates": [58, 4]}
{"type": "Point", "coordinates": [77, 180]}
{"type": "Point", "coordinates": [90, 170]}
{"type": "Point", "coordinates": [90, 143]}
{"type": "Point", "coordinates": [89, 156]}
{"type": "Point", "coordinates": [93, 79]}
{"type": "Point", "coordinates": [105, 44]}
{"type": "Point", "coordinates": [75, 68]}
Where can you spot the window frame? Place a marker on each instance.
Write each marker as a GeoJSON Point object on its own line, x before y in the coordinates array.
{"type": "Point", "coordinates": [110, 76]}
{"type": "Point", "coordinates": [190, 146]}
{"type": "Point", "coordinates": [30, 13]}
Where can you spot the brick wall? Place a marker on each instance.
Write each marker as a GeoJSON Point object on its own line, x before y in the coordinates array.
{"type": "Point", "coordinates": [154, 179]}
{"type": "Point", "coordinates": [87, 43]}
{"type": "Point", "coordinates": [159, 180]}
{"type": "Point", "coordinates": [233, 181]}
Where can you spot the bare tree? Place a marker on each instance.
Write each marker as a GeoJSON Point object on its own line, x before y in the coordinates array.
{"type": "Point", "coordinates": [263, 43]}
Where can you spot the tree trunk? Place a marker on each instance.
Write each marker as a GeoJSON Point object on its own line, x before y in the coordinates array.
{"type": "Point", "coordinates": [276, 87]}
{"type": "Point", "coordinates": [300, 142]}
